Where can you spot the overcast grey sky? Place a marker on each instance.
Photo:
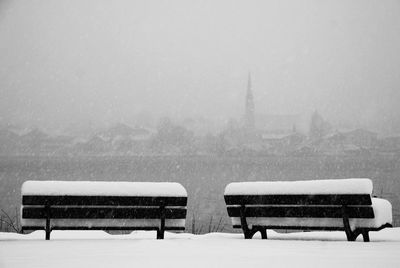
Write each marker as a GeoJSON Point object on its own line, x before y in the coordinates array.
{"type": "Point", "coordinates": [68, 61]}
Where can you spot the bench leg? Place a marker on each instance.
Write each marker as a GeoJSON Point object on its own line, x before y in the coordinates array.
{"type": "Point", "coordinates": [160, 231]}
{"type": "Point", "coordinates": [48, 228]}
{"type": "Point", "coordinates": [365, 235]}
{"type": "Point", "coordinates": [248, 234]}
{"type": "Point", "coordinates": [160, 234]}
{"type": "Point", "coordinates": [350, 236]}
{"type": "Point", "coordinates": [48, 235]}
{"type": "Point", "coordinates": [346, 224]}
{"type": "Point", "coordinates": [263, 232]}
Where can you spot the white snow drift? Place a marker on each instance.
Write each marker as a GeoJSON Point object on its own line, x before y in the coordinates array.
{"type": "Point", "coordinates": [77, 249]}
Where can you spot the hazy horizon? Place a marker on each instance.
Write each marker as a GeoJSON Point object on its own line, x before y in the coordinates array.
{"type": "Point", "coordinates": [65, 63]}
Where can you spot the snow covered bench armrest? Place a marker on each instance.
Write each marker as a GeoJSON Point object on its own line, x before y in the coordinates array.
{"type": "Point", "coordinates": [383, 213]}
{"type": "Point", "coordinates": [310, 205]}
{"type": "Point", "coordinates": [87, 205]}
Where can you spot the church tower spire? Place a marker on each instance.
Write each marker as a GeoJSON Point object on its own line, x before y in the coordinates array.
{"type": "Point", "coordinates": [249, 120]}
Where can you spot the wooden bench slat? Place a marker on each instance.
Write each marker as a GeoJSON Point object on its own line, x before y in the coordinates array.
{"type": "Point", "coordinates": [314, 228]}
{"type": "Point", "coordinates": [305, 228]}
{"type": "Point", "coordinates": [102, 213]}
{"type": "Point", "coordinates": [351, 199]}
{"type": "Point", "coordinates": [103, 228]}
{"type": "Point", "coordinates": [103, 200]}
{"type": "Point", "coordinates": [302, 212]}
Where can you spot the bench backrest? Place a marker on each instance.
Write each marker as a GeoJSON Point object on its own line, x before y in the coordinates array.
{"type": "Point", "coordinates": [301, 199]}
{"type": "Point", "coordinates": [103, 207]}
{"type": "Point", "coordinates": [300, 206]}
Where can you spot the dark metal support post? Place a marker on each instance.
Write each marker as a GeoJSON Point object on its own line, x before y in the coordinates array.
{"type": "Point", "coordinates": [365, 235]}
{"type": "Point", "coordinates": [349, 234]}
{"type": "Point", "coordinates": [243, 222]}
{"type": "Point", "coordinates": [161, 230]}
{"type": "Point", "coordinates": [263, 232]}
{"type": "Point", "coordinates": [48, 228]}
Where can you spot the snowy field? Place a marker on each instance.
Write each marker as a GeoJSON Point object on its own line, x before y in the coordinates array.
{"type": "Point", "coordinates": [141, 249]}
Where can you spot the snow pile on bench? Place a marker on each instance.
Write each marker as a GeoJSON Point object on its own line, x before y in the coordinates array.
{"type": "Point", "coordinates": [342, 186]}
{"type": "Point", "coordinates": [382, 211]}
{"type": "Point", "coordinates": [103, 188]}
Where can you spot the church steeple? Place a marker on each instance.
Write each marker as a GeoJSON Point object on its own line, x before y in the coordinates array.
{"type": "Point", "coordinates": [249, 120]}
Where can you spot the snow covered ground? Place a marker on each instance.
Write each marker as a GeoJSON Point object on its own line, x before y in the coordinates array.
{"type": "Point", "coordinates": [141, 249]}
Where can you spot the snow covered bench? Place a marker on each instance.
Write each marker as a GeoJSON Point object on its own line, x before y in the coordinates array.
{"type": "Point", "coordinates": [307, 205]}
{"type": "Point", "coordinates": [95, 205]}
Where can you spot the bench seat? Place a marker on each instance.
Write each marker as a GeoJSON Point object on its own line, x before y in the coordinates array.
{"type": "Point", "coordinates": [117, 224]}
{"type": "Point", "coordinates": [307, 205]}
{"type": "Point", "coordinates": [381, 207]}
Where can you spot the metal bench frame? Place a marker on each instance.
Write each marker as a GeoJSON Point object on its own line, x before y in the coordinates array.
{"type": "Point", "coordinates": [302, 206]}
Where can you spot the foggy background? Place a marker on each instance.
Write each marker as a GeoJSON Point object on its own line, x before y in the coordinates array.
{"type": "Point", "coordinates": [158, 91]}
{"type": "Point", "coordinates": [71, 62]}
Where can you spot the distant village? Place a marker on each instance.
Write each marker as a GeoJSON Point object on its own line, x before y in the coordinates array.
{"type": "Point", "coordinates": [170, 138]}
{"type": "Point", "coordinates": [252, 135]}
